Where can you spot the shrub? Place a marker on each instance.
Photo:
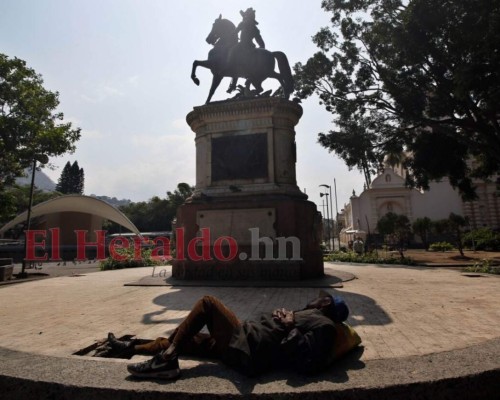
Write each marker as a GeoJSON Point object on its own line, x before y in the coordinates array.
{"type": "Point", "coordinates": [483, 239]}
{"type": "Point", "coordinates": [366, 258]}
{"type": "Point", "coordinates": [484, 267]}
{"type": "Point", "coordinates": [129, 261]}
{"type": "Point", "coordinates": [441, 246]}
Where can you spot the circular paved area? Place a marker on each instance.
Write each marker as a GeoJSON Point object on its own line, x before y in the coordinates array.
{"type": "Point", "coordinates": [418, 325]}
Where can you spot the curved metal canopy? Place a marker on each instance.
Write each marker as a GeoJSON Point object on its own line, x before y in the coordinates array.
{"type": "Point", "coordinates": [75, 203]}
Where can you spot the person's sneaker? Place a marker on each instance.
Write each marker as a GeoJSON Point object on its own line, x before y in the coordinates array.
{"type": "Point", "coordinates": [121, 348]}
{"type": "Point", "coordinates": [157, 367]}
{"type": "Point", "coordinates": [119, 345]}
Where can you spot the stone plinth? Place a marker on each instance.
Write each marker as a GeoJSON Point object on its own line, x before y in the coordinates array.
{"type": "Point", "coordinates": [247, 218]}
{"type": "Point", "coordinates": [6, 269]}
{"type": "Point", "coordinates": [246, 147]}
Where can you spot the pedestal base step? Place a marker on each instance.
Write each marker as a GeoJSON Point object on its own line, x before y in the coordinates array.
{"type": "Point", "coordinates": [261, 270]}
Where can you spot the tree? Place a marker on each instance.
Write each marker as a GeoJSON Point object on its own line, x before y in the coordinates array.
{"type": "Point", "coordinates": [71, 179]}
{"type": "Point", "coordinates": [453, 226]}
{"type": "Point", "coordinates": [15, 200]}
{"type": "Point", "coordinates": [63, 184]}
{"type": "Point", "coordinates": [179, 195]}
{"type": "Point", "coordinates": [30, 128]}
{"type": "Point", "coordinates": [456, 225]}
{"type": "Point", "coordinates": [418, 76]}
{"type": "Point", "coordinates": [396, 228]}
{"type": "Point", "coordinates": [157, 214]}
{"type": "Point", "coordinates": [422, 227]}
{"type": "Point", "coordinates": [77, 178]}
{"type": "Point", "coordinates": [483, 239]}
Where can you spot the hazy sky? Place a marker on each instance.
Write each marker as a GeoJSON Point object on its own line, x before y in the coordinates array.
{"type": "Point", "coordinates": [122, 68]}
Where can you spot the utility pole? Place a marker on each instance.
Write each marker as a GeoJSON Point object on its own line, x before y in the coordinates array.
{"type": "Point", "coordinates": [43, 159]}
{"type": "Point", "coordinates": [333, 222]}
{"type": "Point", "coordinates": [327, 214]}
{"type": "Point", "coordinates": [336, 211]}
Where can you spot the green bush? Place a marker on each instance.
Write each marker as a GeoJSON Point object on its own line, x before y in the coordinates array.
{"type": "Point", "coordinates": [128, 262]}
{"type": "Point", "coordinates": [366, 258]}
{"type": "Point", "coordinates": [484, 267]}
{"type": "Point", "coordinates": [483, 239]}
{"type": "Point", "coordinates": [441, 246]}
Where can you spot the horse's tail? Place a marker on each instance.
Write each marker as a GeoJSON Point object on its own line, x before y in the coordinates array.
{"type": "Point", "coordinates": [285, 72]}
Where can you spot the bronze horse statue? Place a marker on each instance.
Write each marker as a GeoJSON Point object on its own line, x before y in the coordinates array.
{"type": "Point", "coordinates": [229, 59]}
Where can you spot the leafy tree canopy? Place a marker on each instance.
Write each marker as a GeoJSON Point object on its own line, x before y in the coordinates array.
{"type": "Point", "coordinates": [453, 226]}
{"type": "Point", "coordinates": [392, 223]}
{"type": "Point", "coordinates": [422, 227]}
{"type": "Point", "coordinates": [420, 76]}
{"type": "Point", "coordinates": [30, 128]}
{"type": "Point", "coordinates": [179, 195]}
{"type": "Point", "coordinates": [483, 239]}
{"type": "Point", "coordinates": [157, 214]}
{"type": "Point", "coordinates": [15, 200]}
{"type": "Point", "coordinates": [397, 228]}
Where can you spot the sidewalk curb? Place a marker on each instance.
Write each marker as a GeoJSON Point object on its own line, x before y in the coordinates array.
{"type": "Point", "coordinates": [472, 373]}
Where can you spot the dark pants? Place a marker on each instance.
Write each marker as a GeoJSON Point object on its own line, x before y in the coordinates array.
{"type": "Point", "coordinates": [210, 312]}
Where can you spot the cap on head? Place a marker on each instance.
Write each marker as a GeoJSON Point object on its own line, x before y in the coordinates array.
{"type": "Point", "coordinates": [337, 309]}
{"type": "Point", "coordinates": [340, 310]}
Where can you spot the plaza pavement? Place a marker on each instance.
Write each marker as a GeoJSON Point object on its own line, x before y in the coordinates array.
{"type": "Point", "coordinates": [427, 333]}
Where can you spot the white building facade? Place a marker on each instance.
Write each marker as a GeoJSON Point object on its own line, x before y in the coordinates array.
{"type": "Point", "coordinates": [387, 193]}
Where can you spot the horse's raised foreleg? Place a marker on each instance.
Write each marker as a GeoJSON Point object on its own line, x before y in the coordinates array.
{"type": "Point", "coordinates": [215, 84]}
{"type": "Point", "coordinates": [196, 64]}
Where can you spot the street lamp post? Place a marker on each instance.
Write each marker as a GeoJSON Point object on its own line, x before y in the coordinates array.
{"type": "Point", "coordinates": [332, 234]}
{"type": "Point", "coordinates": [327, 213]}
{"type": "Point", "coordinates": [327, 218]}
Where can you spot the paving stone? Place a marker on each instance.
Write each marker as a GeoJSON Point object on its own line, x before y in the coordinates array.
{"type": "Point", "coordinates": [399, 312]}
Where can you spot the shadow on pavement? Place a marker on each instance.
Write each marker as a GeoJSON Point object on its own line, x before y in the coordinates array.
{"type": "Point", "coordinates": [249, 303]}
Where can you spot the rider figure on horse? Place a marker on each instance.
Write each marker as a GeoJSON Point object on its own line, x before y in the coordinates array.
{"type": "Point", "coordinates": [249, 32]}
{"type": "Point", "coordinates": [241, 59]}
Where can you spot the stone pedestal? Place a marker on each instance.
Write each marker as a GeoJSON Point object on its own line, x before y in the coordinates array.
{"type": "Point", "coordinates": [6, 269]}
{"type": "Point", "coordinates": [247, 218]}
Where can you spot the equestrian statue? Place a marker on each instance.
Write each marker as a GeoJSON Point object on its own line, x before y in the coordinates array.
{"type": "Point", "coordinates": [235, 58]}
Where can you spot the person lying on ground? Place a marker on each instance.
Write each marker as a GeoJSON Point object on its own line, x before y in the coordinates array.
{"type": "Point", "coordinates": [301, 339]}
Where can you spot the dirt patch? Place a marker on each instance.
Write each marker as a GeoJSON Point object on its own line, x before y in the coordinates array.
{"type": "Point", "coordinates": [452, 257]}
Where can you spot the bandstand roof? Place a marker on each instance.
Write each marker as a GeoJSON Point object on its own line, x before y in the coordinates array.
{"type": "Point", "coordinates": [75, 203]}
